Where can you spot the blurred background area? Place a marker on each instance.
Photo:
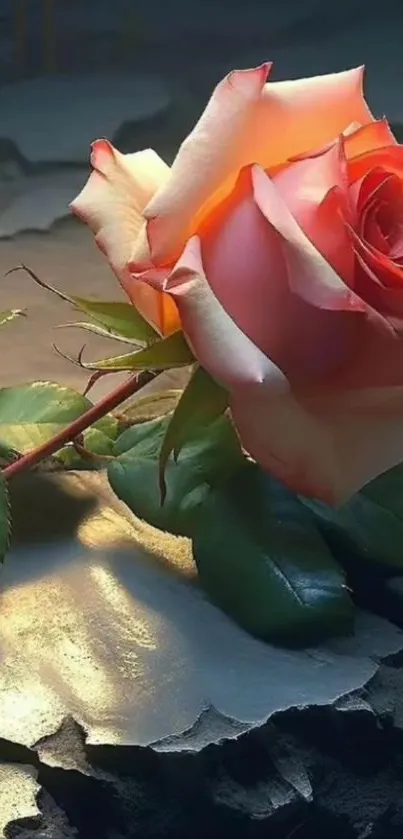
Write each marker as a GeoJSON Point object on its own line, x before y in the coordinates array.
{"type": "Point", "coordinates": [84, 35]}
{"type": "Point", "coordinates": [192, 43]}
{"type": "Point", "coordinates": [138, 72]}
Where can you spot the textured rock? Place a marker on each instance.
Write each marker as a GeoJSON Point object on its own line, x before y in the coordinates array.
{"type": "Point", "coordinates": [130, 706]}
{"type": "Point", "coordinates": [310, 773]}
{"type": "Point", "coordinates": [105, 623]}
{"type": "Point", "coordinates": [18, 791]}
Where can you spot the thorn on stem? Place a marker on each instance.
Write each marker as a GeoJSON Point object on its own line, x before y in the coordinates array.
{"type": "Point", "coordinates": [77, 361]}
{"type": "Point", "coordinates": [99, 374]}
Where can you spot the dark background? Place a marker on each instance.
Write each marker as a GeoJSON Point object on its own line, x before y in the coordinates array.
{"type": "Point", "coordinates": [182, 35]}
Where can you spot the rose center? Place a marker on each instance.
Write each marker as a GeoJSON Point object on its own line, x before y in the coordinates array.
{"type": "Point", "coordinates": [380, 209]}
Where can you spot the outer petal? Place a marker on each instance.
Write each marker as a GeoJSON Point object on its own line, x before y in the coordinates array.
{"type": "Point", "coordinates": [374, 352]}
{"type": "Point", "coordinates": [357, 140]}
{"type": "Point", "coordinates": [327, 446]}
{"type": "Point", "coordinates": [247, 266]}
{"type": "Point", "coordinates": [315, 189]}
{"type": "Point", "coordinates": [112, 202]}
{"type": "Point", "coordinates": [308, 113]}
{"type": "Point", "coordinates": [230, 356]}
{"type": "Point", "coordinates": [310, 275]}
{"type": "Point", "coordinates": [292, 439]}
{"type": "Point", "coordinates": [378, 359]}
{"type": "Point", "coordinates": [367, 432]}
{"type": "Point", "coordinates": [315, 281]}
{"type": "Point", "coordinates": [246, 270]}
{"type": "Point", "coordinates": [248, 122]}
{"type": "Point", "coordinates": [211, 155]}
{"type": "Point", "coordinates": [389, 158]}
{"type": "Point", "coordinates": [369, 138]}
{"type": "Point", "coordinates": [359, 436]}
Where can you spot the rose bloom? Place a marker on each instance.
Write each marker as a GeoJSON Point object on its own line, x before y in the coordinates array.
{"type": "Point", "coordinates": [275, 241]}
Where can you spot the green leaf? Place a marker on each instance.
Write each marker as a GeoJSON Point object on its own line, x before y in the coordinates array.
{"type": "Point", "coordinates": [202, 401]}
{"type": "Point", "coordinates": [31, 414]}
{"type": "Point", "coordinates": [119, 318]}
{"type": "Point", "coordinates": [172, 351]}
{"type": "Point", "coordinates": [262, 560]}
{"type": "Point", "coordinates": [210, 456]}
{"type": "Point", "coordinates": [10, 314]}
{"type": "Point", "coordinates": [96, 443]}
{"type": "Point", "coordinates": [97, 329]}
{"type": "Point", "coordinates": [369, 528]}
{"type": "Point", "coordinates": [5, 519]}
{"type": "Point", "coordinates": [7, 455]}
{"type": "Point", "coordinates": [151, 406]}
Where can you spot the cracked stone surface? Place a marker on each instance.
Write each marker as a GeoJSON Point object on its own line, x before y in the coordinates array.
{"type": "Point", "coordinates": [128, 703]}
{"type": "Point", "coordinates": [318, 772]}
{"type": "Point", "coordinates": [18, 794]}
{"type": "Point", "coordinates": [105, 621]}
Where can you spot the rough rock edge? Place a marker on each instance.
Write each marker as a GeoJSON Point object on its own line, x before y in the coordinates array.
{"type": "Point", "coordinates": [319, 772]}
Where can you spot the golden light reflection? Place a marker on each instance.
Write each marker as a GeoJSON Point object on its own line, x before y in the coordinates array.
{"type": "Point", "coordinates": [18, 704]}
{"type": "Point", "coordinates": [72, 638]}
{"type": "Point", "coordinates": [61, 650]}
{"type": "Point", "coordinates": [27, 704]}
{"type": "Point", "coordinates": [119, 600]}
{"type": "Point", "coordinates": [81, 671]}
{"type": "Point", "coordinates": [102, 528]}
{"type": "Point", "coordinates": [106, 527]}
{"type": "Point", "coordinates": [111, 523]}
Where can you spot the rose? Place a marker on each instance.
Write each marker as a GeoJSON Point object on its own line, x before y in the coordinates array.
{"type": "Point", "coordinates": [276, 242]}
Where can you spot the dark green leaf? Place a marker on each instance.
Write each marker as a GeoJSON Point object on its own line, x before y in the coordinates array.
{"type": "Point", "coordinates": [119, 318]}
{"type": "Point", "coordinates": [202, 401]}
{"type": "Point", "coordinates": [369, 528]}
{"type": "Point", "coordinates": [32, 414]}
{"type": "Point", "coordinates": [5, 520]}
{"type": "Point", "coordinates": [153, 405]}
{"type": "Point", "coordinates": [169, 352]}
{"type": "Point", "coordinates": [7, 455]}
{"type": "Point", "coordinates": [205, 460]}
{"type": "Point", "coordinates": [262, 560]}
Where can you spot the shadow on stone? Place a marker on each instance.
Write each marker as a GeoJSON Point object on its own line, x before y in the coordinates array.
{"type": "Point", "coordinates": [44, 510]}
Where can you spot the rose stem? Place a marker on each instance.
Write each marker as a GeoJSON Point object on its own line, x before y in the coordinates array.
{"type": "Point", "coordinates": [95, 413]}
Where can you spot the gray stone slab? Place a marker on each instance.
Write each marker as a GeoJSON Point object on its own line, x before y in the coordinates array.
{"type": "Point", "coordinates": [102, 620]}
